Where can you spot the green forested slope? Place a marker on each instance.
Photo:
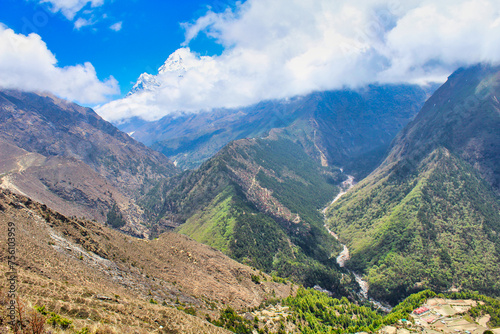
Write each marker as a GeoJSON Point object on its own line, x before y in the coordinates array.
{"type": "Point", "coordinates": [429, 216]}
{"type": "Point", "coordinates": [258, 201]}
{"type": "Point", "coordinates": [312, 312]}
{"type": "Point", "coordinates": [435, 228]}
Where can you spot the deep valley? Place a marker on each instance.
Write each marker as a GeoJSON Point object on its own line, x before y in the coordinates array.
{"type": "Point", "coordinates": [336, 212]}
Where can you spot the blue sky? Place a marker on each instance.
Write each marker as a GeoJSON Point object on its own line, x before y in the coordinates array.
{"type": "Point", "coordinates": [150, 31]}
{"type": "Point", "coordinates": [229, 53]}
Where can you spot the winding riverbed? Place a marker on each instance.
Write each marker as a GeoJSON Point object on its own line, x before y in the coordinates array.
{"type": "Point", "coordinates": [344, 256]}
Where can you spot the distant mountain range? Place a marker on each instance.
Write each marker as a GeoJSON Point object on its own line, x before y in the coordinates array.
{"type": "Point", "coordinates": [175, 65]}
{"type": "Point", "coordinates": [343, 128]}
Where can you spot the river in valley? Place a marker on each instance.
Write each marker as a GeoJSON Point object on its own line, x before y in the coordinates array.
{"type": "Point", "coordinates": [344, 256]}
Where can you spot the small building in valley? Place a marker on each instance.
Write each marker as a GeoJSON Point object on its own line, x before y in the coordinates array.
{"type": "Point", "coordinates": [421, 310]}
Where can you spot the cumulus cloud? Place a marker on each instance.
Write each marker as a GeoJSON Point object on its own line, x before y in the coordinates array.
{"type": "Point", "coordinates": [69, 8]}
{"type": "Point", "coordinates": [281, 48]}
{"type": "Point", "coordinates": [27, 64]}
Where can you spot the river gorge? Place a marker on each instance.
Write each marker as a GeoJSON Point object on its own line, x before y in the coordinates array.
{"type": "Point", "coordinates": [344, 255]}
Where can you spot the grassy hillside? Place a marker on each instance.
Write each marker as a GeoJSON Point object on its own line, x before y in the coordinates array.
{"type": "Point", "coordinates": [235, 227]}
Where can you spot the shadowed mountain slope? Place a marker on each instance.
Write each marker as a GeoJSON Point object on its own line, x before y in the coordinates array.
{"type": "Point", "coordinates": [340, 128]}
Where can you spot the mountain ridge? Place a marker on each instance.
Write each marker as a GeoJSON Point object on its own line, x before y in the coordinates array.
{"type": "Point", "coordinates": [428, 217]}
{"type": "Point", "coordinates": [67, 156]}
{"type": "Point", "coordinates": [325, 120]}
{"type": "Point", "coordinates": [256, 200]}
{"type": "Point", "coordinates": [459, 127]}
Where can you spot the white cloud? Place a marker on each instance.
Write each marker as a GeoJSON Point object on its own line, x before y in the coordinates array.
{"type": "Point", "coordinates": [81, 22]}
{"type": "Point", "coordinates": [69, 8]}
{"type": "Point", "coordinates": [280, 48]}
{"type": "Point", "coordinates": [117, 26]}
{"type": "Point", "coordinates": [27, 64]}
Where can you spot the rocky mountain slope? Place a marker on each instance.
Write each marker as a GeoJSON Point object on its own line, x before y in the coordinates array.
{"type": "Point", "coordinates": [463, 117]}
{"type": "Point", "coordinates": [71, 159]}
{"type": "Point", "coordinates": [259, 201]}
{"type": "Point", "coordinates": [94, 275]}
{"type": "Point", "coordinates": [429, 216]}
{"type": "Point", "coordinates": [343, 127]}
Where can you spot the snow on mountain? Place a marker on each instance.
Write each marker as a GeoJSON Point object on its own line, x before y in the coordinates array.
{"type": "Point", "coordinates": [146, 82]}
{"type": "Point", "coordinates": [177, 64]}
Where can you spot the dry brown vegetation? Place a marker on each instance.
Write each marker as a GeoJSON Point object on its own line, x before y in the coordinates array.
{"type": "Point", "coordinates": [65, 185]}
{"type": "Point", "coordinates": [111, 282]}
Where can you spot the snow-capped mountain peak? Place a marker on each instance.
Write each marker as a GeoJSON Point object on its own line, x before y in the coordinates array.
{"type": "Point", "coordinates": [176, 65]}
{"type": "Point", "coordinates": [175, 62]}
{"type": "Point", "coordinates": [146, 82]}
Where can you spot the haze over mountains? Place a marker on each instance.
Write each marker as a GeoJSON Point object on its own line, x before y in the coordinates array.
{"type": "Point", "coordinates": [335, 126]}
